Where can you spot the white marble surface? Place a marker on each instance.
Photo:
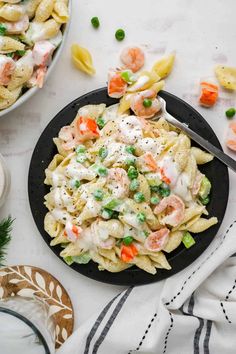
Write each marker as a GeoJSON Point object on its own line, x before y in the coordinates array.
{"type": "Point", "coordinates": [201, 32]}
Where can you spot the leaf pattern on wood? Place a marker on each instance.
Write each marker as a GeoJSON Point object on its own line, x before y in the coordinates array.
{"type": "Point", "coordinates": [27, 281]}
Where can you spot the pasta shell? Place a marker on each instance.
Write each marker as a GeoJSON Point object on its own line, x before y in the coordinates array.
{"type": "Point", "coordinates": [44, 10]}
{"type": "Point", "coordinates": [82, 59]}
{"type": "Point", "coordinates": [12, 12]}
{"type": "Point", "coordinates": [164, 66]}
{"type": "Point", "coordinates": [60, 12]}
{"type": "Point", "coordinates": [8, 45]}
{"type": "Point", "coordinates": [226, 76]}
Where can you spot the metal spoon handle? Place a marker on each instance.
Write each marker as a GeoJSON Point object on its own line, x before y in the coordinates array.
{"type": "Point", "coordinates": [227, 160]}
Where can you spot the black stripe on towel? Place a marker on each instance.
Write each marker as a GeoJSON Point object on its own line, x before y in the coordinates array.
{"type": "Point", "coordinates": [97, 324]}
{"type": "Point", "coordinates": [198, 331]}
{"type": "Point", "coordinates": [111, 320]}
{"type": "Point", "coordinates": [168, 332]}
{"type": "Point", "coordinates": [207, 337]}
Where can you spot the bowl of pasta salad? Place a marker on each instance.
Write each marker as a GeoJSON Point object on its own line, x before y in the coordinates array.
{"type": "Point", "coordinates": [122, 199]}
{"type": "Point", "coordinates": [32, 34]}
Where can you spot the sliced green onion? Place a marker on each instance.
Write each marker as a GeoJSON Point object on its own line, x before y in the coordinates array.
{"type": "Point", "coordinates": [80, 149]}
{"type": "Point", "coordinates": [102, 171]}
{"type": "Point", "coordinates": [21, 53]}
{"type": "Point", "coordinates": [134, 184]}
{"type": "Point", "coordinates": [132, 172]}
{"type": "Point", "coordinates": [106, 213]}
{"type": "Point", "coordinates": [127, 240]}
{"type": "Point", "coordinates": [141, 217]}
{"type": "Point", "coordinates": [205, 201]}
{"type": "Point", "coordinates": [147, 102]}
{"type": "Point", "coordinates": [98, 195]}
{"type": "Point", "coordinates": [3, 29]}
{"type": "Point", "coordinates": [81, 158]}
{"type": "Point", "coordinates": [10, 55]}
{"type": "Point", "coordinates": [120, 34]}
{"type": "Point", "coordinates": [112, 204]}
{"type": "Point", "coordinates": [139, 197]}
{"type": "Point", "coordinates": [130, 149]}
{"type": "Point", "coordinates": [95, 22]}
{"type": "Point", "coordinates": [188, 240]}
{"type": "Point", "coordinates": [230, 112]}
{"type": "Point", "coordinates": [103, 152]}
{"type": "Point", "coordinates": [77, 183]}
{"type": "Point", "coordinates": [128, 76]}
{"type": "Point", "coordinates": [101, 123]}
{"type": "Point", "coordinates": [130, 161]}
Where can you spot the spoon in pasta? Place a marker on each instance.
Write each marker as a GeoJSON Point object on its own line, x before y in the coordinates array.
{"type": "Point", "coordinates": [227, 160]}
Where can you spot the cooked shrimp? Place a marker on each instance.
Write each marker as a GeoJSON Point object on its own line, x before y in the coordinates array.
{"type": "Point", "coordinates": [17, 27]}
{"type": "Point", "coordinates": [72, 231]}
{"type": "Point", "coordinates": [85, 129]}
{"type": "Point", "coordinates": [67, 135]}
{"type": "Point", "coordinates": [132, 58]}
{"type": "Point", "coordinates": [137, 104]}
{"type": "Point", "coordinates": [116, 85]}
{"type": "Point", "coordinates": [118, 182]}
{"type": "Point", "coordinates": [157, 240]}
{"type": "Point", "coordinates": [174, 207]}
{"type": "Point", "coordinates": [7, 67]}
{"type": "Point", "coordinates": [40, 76]}
{"type": "Point", "coordinates": [42, 53]}
{"type": "Point", "coordinates": [231, 136]}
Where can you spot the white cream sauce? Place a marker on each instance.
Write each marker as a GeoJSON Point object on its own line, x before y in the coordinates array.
{"type": "Point", "coordinates": [130, 130]}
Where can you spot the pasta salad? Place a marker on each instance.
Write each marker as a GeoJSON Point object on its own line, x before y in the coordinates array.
{"type": "Point", "coordinates": [124, 190]}
{"type": "Point", "coordinates": [30, 32]}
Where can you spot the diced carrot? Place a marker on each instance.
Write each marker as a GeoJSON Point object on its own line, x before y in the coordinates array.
{"type": "Point", "coordinates": [128, 253]}
{"type": "Point", "coordinates": [150, 162]}
{"type": "Point", "coordinates": [209, 94]}
{"type": "Point", "coordinates": [164, 178]}
{"type": "Point", "coordinates": [208, 84]}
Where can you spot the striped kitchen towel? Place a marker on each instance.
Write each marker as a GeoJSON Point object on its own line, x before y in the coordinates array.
{"type": "Point", "coordinates": [192, 312]}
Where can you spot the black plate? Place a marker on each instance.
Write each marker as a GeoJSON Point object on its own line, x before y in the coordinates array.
{"type": "Point", "coordinates": [181, 257]}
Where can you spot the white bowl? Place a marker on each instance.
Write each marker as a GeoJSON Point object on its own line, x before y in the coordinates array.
{"type": "Point", "coordinates": [28, 94]}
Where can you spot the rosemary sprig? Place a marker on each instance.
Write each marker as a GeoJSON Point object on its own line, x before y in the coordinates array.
{"type": "Point", "coordinates": [5, 237]}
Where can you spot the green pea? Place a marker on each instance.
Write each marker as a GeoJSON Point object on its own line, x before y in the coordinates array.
{"type": "Point", "coordinates": [155, 200]}
{"type": "Point", "coordinates": [130, 149]}
{"type": "Point", "coordinates": [80, 149]}
{"type": "Point", "coordinates": [127, 240]}
{"type": "Point", "coordinates": [102, 171]}
{"type": "Point", "coordinates": [128, 76]}
{"type": "Point", "coordinates": [147, 102]}
{"type": "Point", "coordinates": [95, 22]}
{"type": "Point", "coordinates": [139, 197]}
{"type": "Point", "coordinates": [155, 189]}
{"type": "Point", "coordinates": [98, 195]}
{"type": "Point", "coordinates": [230, 112]}
{"type": "Point", "coordinates": [141, 217]}
{"type": "Point", "coordinates": [103, 152]}
{"type": "Point", "coordinates": [120, 34]}
{"type": "Point", "coordinates": [164, 190]}
{"type": "Point", "coordinates": [132, 172]}
{"type": "Point", "coordinates": [134, 184]}
{"type": "Point", "coordinates": [101, 123]}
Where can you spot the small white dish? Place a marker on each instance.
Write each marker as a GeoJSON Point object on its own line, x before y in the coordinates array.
{"type": "Point", "coordinates": [28, 94]}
